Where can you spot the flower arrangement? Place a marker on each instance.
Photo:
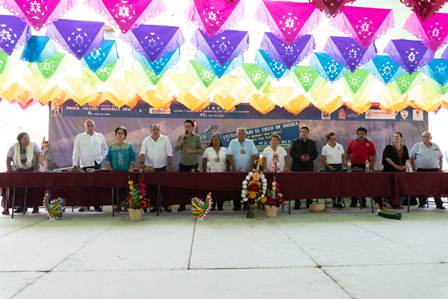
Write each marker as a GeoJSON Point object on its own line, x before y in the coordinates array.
{"type": "Point", "coordinates": [137, 196]}
{"type": "Point", "coordinates": [55, 207]}
{"type": "Point", "coordinates": [200, 207]}
{"type": "Point", "coordinates": [273, 196]}
{"type": "Point", "coordinates": [254, 185]}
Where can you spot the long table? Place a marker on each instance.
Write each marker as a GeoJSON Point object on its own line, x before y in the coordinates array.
{"type": "Point", "coordinates": [101, 188]}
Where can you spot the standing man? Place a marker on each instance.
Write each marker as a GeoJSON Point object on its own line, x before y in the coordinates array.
{"type": "Point", "coordinates": [156, 152]}
{"type": "Point", "coordinates": [89, 150]}
{"type": "Point", "coordinates": [427, 157]}
{"type": "Point", "coordinates": [361, 152]}
{"type": "Point", "coordinates": [241, 154]}
{"type": "Point", "coordinates": [333, 158]}
{"type": "Point", "coordinates": [190, 145]}
{"type": "Point", "coordinates": [303, 152]}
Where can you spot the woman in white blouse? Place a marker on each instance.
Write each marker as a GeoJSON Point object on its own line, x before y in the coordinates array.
{"type": "Point", "coordinates": [214, 159]}
{"type": "Point", "coordinates": [274, 155]}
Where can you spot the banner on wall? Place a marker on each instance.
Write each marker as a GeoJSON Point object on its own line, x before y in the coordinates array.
{"type": "Point", "coordinates": [67, 120]}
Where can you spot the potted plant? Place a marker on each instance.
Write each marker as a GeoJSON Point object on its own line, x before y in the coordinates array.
{"type": "Point", "coordinates": [136, 200]}
{"type": "Point", "coordinates": [274, 199]}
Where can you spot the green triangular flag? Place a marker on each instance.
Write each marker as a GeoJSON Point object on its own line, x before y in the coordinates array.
{"type": "Point", "coordinates": [151, 75]}
{"type": "Point", "coordinates": [49, 66]}
{"type": "Point", "coordinates": [206, 76]}
{"type": "Point", "coordinates": [404, 82]}
{"type": "Point", "coordinates": [444, 89]}
{"type": "Point", "coordinates": [104, 72]}
{"type": "Point", "coordinates": [256, 75]}
{"type": "Point", "coordinates": [3, 61]}
{"type": "Point", "coordinates": [306, 76]}
{"type": "Point", "coordinates": [356, 79]}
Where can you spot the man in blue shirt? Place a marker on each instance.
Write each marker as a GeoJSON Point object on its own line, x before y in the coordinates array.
{"type": "Point", "coordinates": [241, 153]}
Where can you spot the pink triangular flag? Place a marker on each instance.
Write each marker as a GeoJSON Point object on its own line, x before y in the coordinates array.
{"type": "Point", "coordinates": [364, 24]}
{"type": "Point", "coordinates": [127, 14]}
{"type": "Point", "coordinates": [433, 31]}
{"type": "Point", "coordinates": [291, 19]}
{"type": "Point", "coordinates": [38, 12]}
{"type": "Point", "coordinates": [212, 15]}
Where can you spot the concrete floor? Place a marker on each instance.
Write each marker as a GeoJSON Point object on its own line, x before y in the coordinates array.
{"type": "Point", "coordinates": [336, 254]}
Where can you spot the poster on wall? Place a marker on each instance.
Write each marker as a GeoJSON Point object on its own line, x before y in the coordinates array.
{"type": "Point", "coordinates": [67, 120]}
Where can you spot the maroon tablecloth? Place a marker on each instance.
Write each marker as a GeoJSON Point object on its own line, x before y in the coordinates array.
{"type": "Point", "coordinates": [328, 184]}
{"type": "Point", "coordinates": [421, 183]}
{"type": "Point", "coordinates": [96, 188]}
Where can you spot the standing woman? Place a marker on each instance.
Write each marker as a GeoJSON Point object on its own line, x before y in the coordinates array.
{"type": "Point", "coordinates": [274, 155]}
{"type": "Point", "coordinates": [121, 157]}
{"type": "Point", "coordinates": [214, 159]}
{"type": "Point", "coordinates": [395, 156]}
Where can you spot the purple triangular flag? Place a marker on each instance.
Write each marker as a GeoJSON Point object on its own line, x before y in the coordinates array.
{"type": "Point", "coordinates": [77, 37]}
{"type": "Point", "coordinates": [222, 47]}
{"type": "Point", "coordinates": [13, 32]}
{"type": "Point", "coordinates": [409, 54]}
{"type": "Point", "coordinates": [154, 41]}
{"type": "Point", "coordinates": [289, 54]}
{"type": "Point", "coordinates": [445, 54]}
{"type": "Point", "coordinates": [348, 52]}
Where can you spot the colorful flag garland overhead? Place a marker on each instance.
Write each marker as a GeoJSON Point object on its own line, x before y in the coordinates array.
{"type": "Point", "coordinates": [221, 53]}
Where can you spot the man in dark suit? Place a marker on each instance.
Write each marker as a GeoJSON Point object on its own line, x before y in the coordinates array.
{"type": "Point", "coordinates": [303, 152]}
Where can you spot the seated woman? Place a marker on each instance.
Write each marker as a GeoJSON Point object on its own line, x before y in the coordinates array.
{"type": "Point", "coordinates": [214, 159]}
{"type": "Point", "coordinates": [395, 157]}
{"type": "Point", "coordinates": [23, 156]}
{"type": "Point", "coordinates": [121, 156]}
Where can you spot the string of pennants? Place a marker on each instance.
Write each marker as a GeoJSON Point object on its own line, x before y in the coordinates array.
{"type": "Point", "coordinates": [403, 64]}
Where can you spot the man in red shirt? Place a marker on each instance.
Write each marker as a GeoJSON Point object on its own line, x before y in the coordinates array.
{"type": "Point", "coordinates": [359, 151]}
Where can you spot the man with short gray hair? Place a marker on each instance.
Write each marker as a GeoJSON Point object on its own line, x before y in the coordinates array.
{"type": "Point", "coordinates": [89, 150]}
{"type": "Point", "coordinates": [427, 157]}
{"type": "Point", "coordinates": [241, 153]}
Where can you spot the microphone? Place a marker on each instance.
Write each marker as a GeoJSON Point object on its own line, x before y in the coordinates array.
{"type": "Point", "coordinates": [185, 135]}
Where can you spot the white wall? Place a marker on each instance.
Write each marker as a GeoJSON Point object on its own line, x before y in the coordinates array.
{"type": "Point", "coordinates": [438, 126]}
{"type": "Point", "coordinates": [13, 120]}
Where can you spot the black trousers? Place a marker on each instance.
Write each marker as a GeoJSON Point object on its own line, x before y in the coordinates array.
{"type": "Point", "coordinates": [337, 168]}
{"type": "Point", "coordinates": [308, 200]}
{"type": "Point", "coordinates": [187, 168]}
{"type": "Point", "coordinates": [423, 199]}
{"type": "Point", "coordinates": [97, 166]}
{"type": "Point", "coordinates": [25, 189]}
{"type": "Point", "coordinates": [162, 169]}
{"type": "Point", "coordinates": [356, 198]}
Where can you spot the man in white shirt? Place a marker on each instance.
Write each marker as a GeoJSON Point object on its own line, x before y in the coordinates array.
{"type": "Point", "coordinates": [333, 158]}
{"type": "Point", "coordinates": [333, 155]}
{"type": "Point", "coordinates": [89, 150]}
{"type": "Point", "coordinates": [157, 153]}
{"type": "Point", "coordinates": [426, 156]}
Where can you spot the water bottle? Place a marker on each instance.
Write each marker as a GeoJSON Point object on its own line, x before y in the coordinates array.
{"type": "Point", "coordinates": [408, 167]}
{"type": "Point", "coordinates": [367, 166]}
{"type": "Point", "coordinates": [349, 166]}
